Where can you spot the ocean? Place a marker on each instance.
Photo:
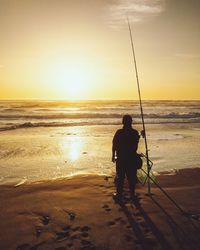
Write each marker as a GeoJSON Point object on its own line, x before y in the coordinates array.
{"type": "Point", "coordinates": [20, 114]}
{"type": "Point", "coordinates": [52, 139]}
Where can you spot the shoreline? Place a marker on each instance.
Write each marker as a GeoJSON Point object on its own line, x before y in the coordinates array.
{"type": "Point", "coordinates": [79, 213]}
{"type": "Point", "coordinates": [35, 154]}
{"type": "Point", "coordinates": [161, 176]}
{"type": "Point", "coordinates": [31, 125]}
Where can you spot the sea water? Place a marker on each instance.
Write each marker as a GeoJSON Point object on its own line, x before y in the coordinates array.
{"type": "Point", "coordinates": [51, 139]}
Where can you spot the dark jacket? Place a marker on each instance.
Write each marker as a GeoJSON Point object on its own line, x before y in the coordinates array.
{"type": "Point", "coordinates": [125, 143]}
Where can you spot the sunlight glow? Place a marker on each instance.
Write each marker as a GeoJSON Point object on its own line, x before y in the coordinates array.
{"type": "Point", "coordinates": [71, 76]}
{"type": "Point", "coordinates": [73, 50]}
{"type": "Point", "coordinates": [72, 148]}
{"type": "Point", "coordinates": [74, 151]}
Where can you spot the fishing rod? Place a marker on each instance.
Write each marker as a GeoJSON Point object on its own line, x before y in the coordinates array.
{"type": "Point", "coordinates": [141, 109]}
{"type": "Point", "coordinates": [146, 156]}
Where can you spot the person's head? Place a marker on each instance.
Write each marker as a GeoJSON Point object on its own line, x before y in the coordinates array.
{"type": "Point", "coordinates": [127, 120]}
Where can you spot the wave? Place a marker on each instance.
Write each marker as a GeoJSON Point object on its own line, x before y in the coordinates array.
{"type": "Point", "coordinates": [28, 114]}
{"type": "Point", "coordinates": [48, 124]}
{"type": "Point", "coordinates": [96, 103]}
{"type": "Point", "coordinates": [82, 115]}
{"type": "Point", "coordinates": [13, 110]}
{"type": "Point", "coordinates": [87, 123]}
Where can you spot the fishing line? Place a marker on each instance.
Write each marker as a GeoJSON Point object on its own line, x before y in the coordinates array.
{"type": "Point", "coordinates": [146, 156]}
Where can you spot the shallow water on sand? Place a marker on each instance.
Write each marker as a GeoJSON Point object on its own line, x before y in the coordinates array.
{"type": "Point", "coordinates": [33, 154]}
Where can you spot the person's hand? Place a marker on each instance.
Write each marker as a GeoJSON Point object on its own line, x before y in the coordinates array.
{"type": "Point", "coordinates": [113, 159]}
{"type": "Point", "coordinates": [143, 133]}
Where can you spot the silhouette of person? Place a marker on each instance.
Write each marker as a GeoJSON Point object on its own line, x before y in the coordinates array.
{"type": "Point", "coordinates": [124, 148]}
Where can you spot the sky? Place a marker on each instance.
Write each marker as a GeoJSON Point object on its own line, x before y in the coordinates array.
{"type": "Point", "coordinates": [80, 49]}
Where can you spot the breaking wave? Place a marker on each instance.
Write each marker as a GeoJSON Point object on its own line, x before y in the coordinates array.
{"type": "Point", "coordinates": [23, 114]}
{"type": "Point", "coordinates": [81, 115]}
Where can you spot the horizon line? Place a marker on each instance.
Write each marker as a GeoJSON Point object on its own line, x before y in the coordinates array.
{"type": "Point", "coordinates": [99, 99]}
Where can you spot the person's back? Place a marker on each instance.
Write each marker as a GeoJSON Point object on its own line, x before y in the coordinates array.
{"type": "Point", "coordinates": [125, 144]}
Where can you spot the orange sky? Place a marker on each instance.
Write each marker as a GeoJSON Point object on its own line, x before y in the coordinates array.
{"type": "Point", "coordinates": [81, 49]}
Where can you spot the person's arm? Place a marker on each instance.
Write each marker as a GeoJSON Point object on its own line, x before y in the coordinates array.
{"type": "Point", "coordinates": [113, 153]}
{"type": "Point", "coordinates": [143, 133]}
{"type": "Point", "coordinates": [114, 148]}
{"type": "Point", "coordinates": [137, 140]}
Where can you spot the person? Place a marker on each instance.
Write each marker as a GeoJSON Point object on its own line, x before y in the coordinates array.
{"type": "Point", "coordinates": [124, 152]}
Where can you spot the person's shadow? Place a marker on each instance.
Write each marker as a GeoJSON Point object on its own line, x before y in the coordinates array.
{"type": "Point", "coordinates": [135, 213]}
{"type": "Point", "coordinates": [143, 240]}
{"type": "Point", "coordinates": [183, 239]}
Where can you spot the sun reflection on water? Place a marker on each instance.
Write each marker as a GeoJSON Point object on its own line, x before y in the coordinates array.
{"type": "Point", "coordinates": [72, 148]}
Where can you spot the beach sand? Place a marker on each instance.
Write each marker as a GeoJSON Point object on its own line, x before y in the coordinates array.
{"type": "Point", "coordinates": [80, 213]}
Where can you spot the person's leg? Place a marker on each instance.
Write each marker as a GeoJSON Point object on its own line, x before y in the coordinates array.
{"type": "Point", "coordinates": [120, 175]}
{"type": "Point", "coordinates": [131, 174]}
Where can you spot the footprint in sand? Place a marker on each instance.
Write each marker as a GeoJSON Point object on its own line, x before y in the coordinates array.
{"type": "Point", "coordinates": [142, 223]}
{"type": "Point", "coordinates": [38, 232]}
{"type": "Point", "coordinates": [74, 237]}
{"type": "Point", "coordinates": [71, 215]}
{"type": "Point", "coordinates": [45, 219]}
{"type": "Point", "coordinates": [87, 245]}
{"type": "Point", "coordinates": [120, 220]}
{"type": "Point", "coordinates": [66, 228]}
{"type": "Point", "coordinates": [64, 234]}
{"type": "Point", "coordinates": [81, 234]}
{"type": "Point", "coordinates": [85, 235]}
{"type": "Point", "coordinates": [139, 219]}
{"type": "Point", "coordinates": [85, 232]}
{"type": "Point", "coordinates": [69, 245]}
{"type": "Point", "coordinates": [111, 223]}
{"type": "Point", "coordinates": [76, 229]}
{"type": "Point", "coordinates": [106, 208]}
{"type": "Point", "coordinates": [80, 231]}
{"type": "Point", "coordinates": [68, 234]}
{"type": "Point", "coordinates": [85, 229]}
{"type": "Point", "coordinates": [29, 247]}
{"type": "Point", "coordinates": [60, 236]}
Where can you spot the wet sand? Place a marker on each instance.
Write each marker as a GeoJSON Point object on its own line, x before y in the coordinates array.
{"type": "Point", "coordinates": [34, 154]}
{"type": "Point", "coordinates": [80, 213]}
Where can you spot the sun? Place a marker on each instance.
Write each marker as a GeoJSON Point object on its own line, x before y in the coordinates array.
{"type": "Point", "coordinates": [76, 81]}
{"type": "Point", "coordinates": [70, 78]}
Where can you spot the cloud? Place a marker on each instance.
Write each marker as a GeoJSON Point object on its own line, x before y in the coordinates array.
{"type": "Point", "coordinates": [136, 10]}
